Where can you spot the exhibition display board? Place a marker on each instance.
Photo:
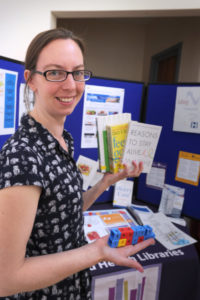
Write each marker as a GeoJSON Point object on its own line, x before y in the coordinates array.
{"type": "Point", "coordinates": [177, 156]}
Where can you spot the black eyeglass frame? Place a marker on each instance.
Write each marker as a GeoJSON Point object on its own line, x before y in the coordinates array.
{"type": "Point", "coordinates": [66, 72]}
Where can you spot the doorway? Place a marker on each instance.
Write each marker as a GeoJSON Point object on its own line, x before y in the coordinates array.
{"type": "Point", "coordinates": [165, 65]}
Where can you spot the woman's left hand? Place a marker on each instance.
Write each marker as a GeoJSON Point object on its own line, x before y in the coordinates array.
{"type": "Point", "coordinates": [134, 171]}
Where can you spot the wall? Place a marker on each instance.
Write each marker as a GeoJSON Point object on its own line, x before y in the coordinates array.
{"type": "Point", "coordinates": [165, 33]}
{"type": "Point", "coordinates": [21, 20]}
{"type": "Point", "coordinates": [122, 48]}
{"type": "Point", "coordinates": [115, 47]}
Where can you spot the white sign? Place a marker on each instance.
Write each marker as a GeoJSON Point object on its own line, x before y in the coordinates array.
{"type": "Point", "coordinates": [172, 199]}
{"type": "Point", "coordinates": [187, 110]}
{"type": "Point", "coordinates": [166, 233]}
{"type": "Point", "coordinates": [123, 193]}
{"type": "Point", "coordinates": [156, 177]}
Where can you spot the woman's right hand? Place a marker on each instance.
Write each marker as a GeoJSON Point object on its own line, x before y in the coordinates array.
{"type": "Point", "coordinates": [121, 255]}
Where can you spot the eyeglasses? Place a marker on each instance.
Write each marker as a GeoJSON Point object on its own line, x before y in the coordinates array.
{"type": "Point", "coordinates": [61, 75]}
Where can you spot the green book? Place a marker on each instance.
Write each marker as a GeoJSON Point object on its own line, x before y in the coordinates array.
{"type": "Point", "coordinates": [106, 156]}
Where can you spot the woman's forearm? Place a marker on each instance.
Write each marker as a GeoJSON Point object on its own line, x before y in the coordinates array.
{"type": "Point", "coordinates": [43, 271]}
{"type": "Point", "coordinates": [107, 180]}
{"type": "Point", "coordinates": [93, 193]}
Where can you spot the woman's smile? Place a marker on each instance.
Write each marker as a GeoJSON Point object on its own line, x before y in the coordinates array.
{"type": "Point", "coordinates": [65, 100]}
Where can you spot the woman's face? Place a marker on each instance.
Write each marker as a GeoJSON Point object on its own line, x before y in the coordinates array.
{"type": "Point", "coordinates": [58, 98]}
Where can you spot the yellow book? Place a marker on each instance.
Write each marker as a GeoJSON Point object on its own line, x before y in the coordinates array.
{"type": "Point", "coordinates": [116, 136]}
{"type": "Point", "coordinates": [102, 122]}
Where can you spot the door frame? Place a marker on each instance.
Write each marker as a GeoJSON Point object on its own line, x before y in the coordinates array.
{"type": "Point", "coordinates": [172, 51]}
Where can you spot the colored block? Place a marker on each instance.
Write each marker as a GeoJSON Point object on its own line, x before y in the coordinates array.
{"type": "Point", "coordinates": [123, 236]}
{"type": "Point", "coordinates": [148, 229]}
{"type": "Point", "coordinates": [113, 243]}
{"type": "Point", "coordinates": [134, 241]}
{"type": "Point", "coordinates": [136, 231]}
{"type": "Point", "coordinates": [129, 241]}
{"type": "Point", "coordinates": [142, 230]}
{"type": "Point", "coordinates": [122, 242]}
{"type": "Point", "coordinates": [140, 239]}
{"type": "Point", "coordinates": [115, 233]}
{"type": "Point", "coordinates": [148, 232]}
{"type": "Point", "coordinates": [126, 232]}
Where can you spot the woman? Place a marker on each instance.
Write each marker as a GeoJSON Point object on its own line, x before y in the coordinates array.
{"type": "Point", "coordinates": [43, 254]}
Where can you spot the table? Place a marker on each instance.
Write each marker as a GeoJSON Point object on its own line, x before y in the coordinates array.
{"type": "Point", "coordinates": [169, 275]}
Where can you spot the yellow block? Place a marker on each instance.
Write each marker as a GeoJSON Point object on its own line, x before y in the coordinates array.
{"type": "Point", "coordinates": [122, 242]}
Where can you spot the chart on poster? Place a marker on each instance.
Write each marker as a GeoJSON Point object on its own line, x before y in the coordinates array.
{"type": "Point", "coordinates": [128, 285]}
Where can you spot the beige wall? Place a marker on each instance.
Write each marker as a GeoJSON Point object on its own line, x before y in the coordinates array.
{"type": "Point", "coordinates": [164, 33]}
{"type": "Point", "coordinates": [21, 20]}
{"type": "Point", "coordinates": [115, 47]}
{"type": "Point", "coordinates": [122, 48]}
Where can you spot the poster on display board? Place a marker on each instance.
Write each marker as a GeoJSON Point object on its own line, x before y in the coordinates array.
{"type": "Point", "coordinates": [187, 110]}
{"type": "Point", "coordinates": [188, 168]}
{"type": "Point", "coordinates": [8, 88]}
{"type": "Point", "coordinates": [98, 101]}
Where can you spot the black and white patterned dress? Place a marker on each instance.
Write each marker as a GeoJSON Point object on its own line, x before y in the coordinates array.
{"type": "Point", "coordinates": [32, 156]}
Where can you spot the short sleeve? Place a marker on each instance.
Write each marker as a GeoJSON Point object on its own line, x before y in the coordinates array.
{"type": "Point", "coordinates": [20, 167]}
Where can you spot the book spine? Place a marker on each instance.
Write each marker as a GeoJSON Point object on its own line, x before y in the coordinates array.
{"type": "Point", "coordinates": [112, 162]}
{"type": "Point", "coordinates": [98, 147]}
{"type": "Point", "coordinates": [106, 155]}
{"type": "Point", "coordinates": [99, 122]}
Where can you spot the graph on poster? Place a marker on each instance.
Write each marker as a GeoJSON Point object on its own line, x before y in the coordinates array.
{"type": "Point", "coordinates": [128, 285]}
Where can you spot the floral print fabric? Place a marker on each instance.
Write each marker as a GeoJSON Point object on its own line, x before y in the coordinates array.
{"type": "Point", "coordinates": [32, 156]}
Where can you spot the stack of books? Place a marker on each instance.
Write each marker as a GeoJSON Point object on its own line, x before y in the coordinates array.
{"type": "Point", "coordinates": [121, 140]}
{"type": "Point", "coordinates": [111, 136]}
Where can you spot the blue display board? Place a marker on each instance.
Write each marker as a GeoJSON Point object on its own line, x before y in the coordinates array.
{"type": "Point", "coordinates": [16, 66]}
{"type": "Point", "coordinates": [160, 107]}
{"type": "Point", "coordinates": [132, 104]}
